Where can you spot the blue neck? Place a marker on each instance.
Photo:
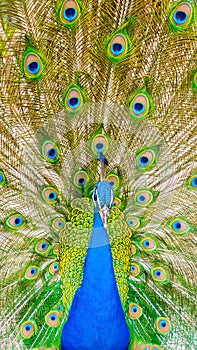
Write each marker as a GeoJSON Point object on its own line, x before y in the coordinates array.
{"type": "Point", "coordinates": [96, 318]}
{"type": "Point", "coordinates": [99, 236]}
{"type": "Point", "coordinates": [97, 220]}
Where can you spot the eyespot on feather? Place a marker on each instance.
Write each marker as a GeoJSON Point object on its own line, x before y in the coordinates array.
{"type": "Point", "coordinates": [33, 64]}
{"type": "Point", "coordinates": [163, 325]}
{"type": "Point", "coordinates": [81, 179]}
{"type": "Point", "coordinates": [148, 347]}
{"type": "Point", "coordinates": [133, 221]}
{"type": "Point", "coordinates": [117, 47]}
{"type": "Point", "coordinates": [179, 226]}
{"type": "Point", "coordinates": [159, 274]}
{"type": "Point", "coordinates": [140, 105]}
{"type": "Point", "coordinates": [15, 221]}
{"type": "Point", "coordinates": [52, 319]}
{"type": "Point", "coordinates": [50, 151]}
{"type": "Point", "coordinates": [143, 198]}
{"type": "Point", "coordinates": [181, 15]}
{"type": "Point", "coordinates": [28, 329]}
{"type": "Point", "coordinates": [135, 311]}
{"type": "Point", "coordinates": [148, 244]}
{"type": "Point", "coordinates": [192, 182]}
{"type": "Point", "coordinates": [32, 272]}
{"type": "Point", "coordinates": [145, 158]}
{"type": "Point", "coordinates": [99, 144]}
{"type": "Point", "coordinates": [42, 247]}
{"type": "Point", "coordinates": [58, 223]}
{"type": "Point", "coordinates": [54, 268]}
{"type": "Point", "coordinates": [69, 12]}
{"type": "Point", "coordinates": [50, 194]}
{"type": "Point", "coordinates": [116, 202]}
{"type": "Point", "coordinates": [3, 179]}
{"type": "Point", "coordinates": [114, 181]}
{"type": "Point", "coordinates": [135, 269]}
{"type": "Point", "coordinates": [56, 249]}
{"type": "Point", "coordinates": [73, 99]}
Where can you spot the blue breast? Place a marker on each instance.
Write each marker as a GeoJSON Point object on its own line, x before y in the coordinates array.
{"type": "Point", "coordinates": [96, 319]}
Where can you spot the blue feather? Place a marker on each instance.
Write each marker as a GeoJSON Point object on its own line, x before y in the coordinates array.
{"type": "Point", "coordinates": [96, 319]}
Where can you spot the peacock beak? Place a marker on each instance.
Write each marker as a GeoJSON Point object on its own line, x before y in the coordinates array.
{"type": "Point", "coordinates": [104, 213]}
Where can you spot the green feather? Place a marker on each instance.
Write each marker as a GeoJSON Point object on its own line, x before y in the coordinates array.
{"type": "Point", "coordinates": [32, 63]}
{"type": "Point", "coordinates": [69, 12]}
{"type": "Point", "coordinates": [181, 15]}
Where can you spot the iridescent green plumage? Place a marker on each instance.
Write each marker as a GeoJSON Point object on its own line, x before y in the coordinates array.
{"type": "Point", "coordinates": [136, 103]}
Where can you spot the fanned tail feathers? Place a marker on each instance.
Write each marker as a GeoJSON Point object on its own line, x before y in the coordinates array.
{"type": "Point", "coordinates": [117, 77]}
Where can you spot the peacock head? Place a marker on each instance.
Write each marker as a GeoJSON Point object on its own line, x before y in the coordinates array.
{"type": "Point", "coordinates": [103, 198]}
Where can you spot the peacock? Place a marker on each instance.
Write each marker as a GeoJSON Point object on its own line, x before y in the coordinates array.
{"type": "Point", "coordinates": [98, 174]}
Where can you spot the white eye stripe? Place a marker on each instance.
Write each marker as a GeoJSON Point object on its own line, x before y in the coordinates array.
{"type": "Point", "coordinates": [98, 200]}
{"type": "Point", "coordinates": [112, 198]}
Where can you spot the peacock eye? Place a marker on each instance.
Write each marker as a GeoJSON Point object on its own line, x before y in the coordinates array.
{"type": "Point", "coordinates": [32, 64]}
{"type": "Point", "coordinates": [133, 221]}
{"type": "Point", "coordinates": [15, 221]}
{"type": "Point", "coordinates": [69, 12]}
{"type": "Point", "coordinates": [163, 325]}
{"type": "Point", "coordinates": [60, 307]}
{"type": "Point", "coordinates": [114, 181]}
{"type": "Point", "coordinates": [139, 105]}
{"type": "Point", "coordinates": [148, 244]}
{"type": "Point", "coordinates": [56, 249]}
{"type": "Point", "coordinates": [73, 99]}
{"type": "Point", "coordinates": [32, 272]}
{"type": "Point", "coordinates": [50, 194]}
{"type": "Point", "coordinates": [95, 197]}
{"type": "Point", "coordinates": [192, 182]}
{"type": "Point", "coordinates": [58, 223]}
{"type": "Point", "coordinates": [143, 198]}
{"type": "Point", "coordinates": [81, 178]}
{"type": "Point", "coordinates": [179, 226]}
{"type": "Point", "coordinates": [181, 16]}
{"type": "Point", "coordinates": [50, 151]}
{"type": "Point", "coordinates": [159, 274]}
{"type": "Point", "coordinates": [135, 269]}
{"type": "Point", "coordinates": [3, 179]}
{"type": "Point", "coordinates": [54, 267]}
{"type": "Point", "coordinates": [116, 202]}
{"type": "Point", "coordinates": [73, 102]}
{"type": "Point", "coordinates": [145, 158]}
{"type": "Point", "coordinates": [117, 47]}
{"type": "Point", "coordinates": [28, 329]}
{"type": "Point", "coordinates": [52, 319]}
{"type": "Point", "coordinates": [135, 311]}
{"type": "Point", "coordinates": [42, 247]}
{"type": "Point", "coordinates": [99, 144]}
